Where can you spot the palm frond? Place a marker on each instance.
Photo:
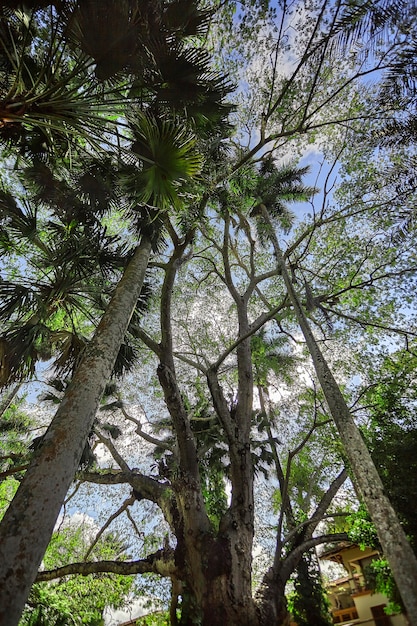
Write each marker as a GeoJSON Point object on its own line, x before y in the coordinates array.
{"type": "Point", "coordinates": [186, 18]}
{"type": "Point", "coordinates": [169, 156]}
{"type": "Point", "coordinates": [47, 95]}
{"type": "Point", "coordinates": [69, 347]}
{"type": "Point", "coordinates": [107, 32]}
{"type": "Point", "coordinates": [12, 215]}
{"type": "Point", "coordinates": [396, 132]}
{"type": "Point", "coordinates": [126, 359]}
{"type": "Point", "coordinates": [400, 80]}
{"type": "Point", "coordinates": [15, 300]}
{"type": "Point", "coordinates": [21, 349]}
{"type": "Point", "coordinates": [359, 17]}
{"type": "Point", "coordinates": [276, 187]}
{"type": "Point", "coordinates": [185, 82]}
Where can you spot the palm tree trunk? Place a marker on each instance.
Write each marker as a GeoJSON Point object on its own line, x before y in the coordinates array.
{"type": "Point", "coordinates": [26, 528]}
{"type": "Point", "coordinates": [391, 535]}
{"type": "Point", "coordinates": [8, 399]}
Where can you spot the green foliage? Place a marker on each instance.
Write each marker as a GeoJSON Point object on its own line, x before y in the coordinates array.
{"type": "Point", "coordinates": [15, 425]}
{"type": "Point", "coordinates": [377, 574]}
{"type": "Point", "coordinates": [362, 531]}
{"type": "Point", "coordinates": [145, 55]}
{"type": "Point", "coordinates": [308, 602]}
{"type": "Point", "coordinates": [392, 437]}
{"type": "Point", "coordinates": [277, 187]}
{"type": "Point", "coordinates": [8, 488]}
{"type": "Point", "coordinates": [76, 600]}
{"type": "Point", "coordinates": [392, 433]}
{"type": "Point", "coordinates": [168, 152]}
{"type": "Point", "coordinates": [164, 98]}
{"type": "Point", "coordinates": [214, 493]}
{"type": "Point", "coordinates": [154, 619]}
{"type": "Point", "coordinates": [379, 578]}
{"type": "Point", "coordinates": [272, 355]}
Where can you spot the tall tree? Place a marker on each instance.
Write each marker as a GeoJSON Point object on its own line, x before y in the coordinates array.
{"type": "Point", "coordinates": [206, 565]}
{"type": "Point", "coordinates": [391, 534]}
{"type": "Point", "coordinates": [167, 155]}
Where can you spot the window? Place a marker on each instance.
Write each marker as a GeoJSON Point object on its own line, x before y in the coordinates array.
{"type": "Point", "coordinates": [379, 615]}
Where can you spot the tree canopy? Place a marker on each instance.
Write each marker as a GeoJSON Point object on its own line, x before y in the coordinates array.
{"type": "Point", "coordinates": [208, 246]}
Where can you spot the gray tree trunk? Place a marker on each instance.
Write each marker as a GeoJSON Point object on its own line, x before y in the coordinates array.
{"type": "Point", "coordinates": [391, 535]}
{"type": "Point", "coordinates": [8, 398]}
{"type": "Point", "coordinates": [27, 527]}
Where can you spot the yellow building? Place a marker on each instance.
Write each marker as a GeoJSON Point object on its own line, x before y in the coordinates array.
{"type": "Point", "coordinates": [351, 601]}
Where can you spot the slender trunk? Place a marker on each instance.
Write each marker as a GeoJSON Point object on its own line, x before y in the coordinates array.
{"type": "Point", "coordinates": [28, 524]}
{"type": "Point", "coordinates": [8, 399]}
{"type": "Point", "coordinates": [391, 535]}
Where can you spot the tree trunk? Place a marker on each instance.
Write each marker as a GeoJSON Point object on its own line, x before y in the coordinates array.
{"type": "Point", "coordinates": [271, 601]}
{"type": "Point", "coordinates": [391, 535]}
{"type": "Point", "coordinates": [26, 528]}
{"type": "Point", "coordinates": [214, 588]}
{"type": "Point", "coordinates": [8, 399]}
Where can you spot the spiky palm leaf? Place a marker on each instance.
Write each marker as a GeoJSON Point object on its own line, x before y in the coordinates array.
{"type": "Point", "coordinates": [108, 32]}
{"type": "Point", "coordinates": [47, 91]}
{"type": "Point", "coordinates": [186, 18]}
{"type": "Point", "coordinates": [69, 347]}
{"type": "Point", "coordinates": [66, 72]}
{"type": "Point", "coordinates": [168, 152]}
{"type": "Point", "coordinates": [71, 261]}
{"type": "Point", "coordinates": [21, 348]}
{"type": "Point", "coordinates": [276, 187]}
{"type": "Point", "coordinates": [20, 220]}
{"type": "Point", "coordinates": [187, 82]}
{"type": "Point", "coordinates": [357, 17]}
{"type": "Point", "coordinates": [15, 300]}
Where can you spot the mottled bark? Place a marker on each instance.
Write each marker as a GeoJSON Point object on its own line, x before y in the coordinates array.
{"type": "Point", "coordinates": [391, 535]}
{"type": "Point", "coordinates": [214, 568]}
{"type": "Point", "coordinates": [271, 601]}
{"type": "Point", "coordinates": [28, 524]}
{"type": "Point", "coordinates": [161, 562]}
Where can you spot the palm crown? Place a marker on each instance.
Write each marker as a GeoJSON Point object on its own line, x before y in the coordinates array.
{"type": "Point", "coordinates": [109, 73]}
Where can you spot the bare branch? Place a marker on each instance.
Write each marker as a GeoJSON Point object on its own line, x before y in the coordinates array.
{"type": "Point", "coordinates": [128, 502]}
{"type": "Point", "coordinates": [13, 470]}
{"type": "Point", "coordinates": [115, 454]}
{"type": "Point", "coordinates": [290, 563]}
{"type": "Point", "coordinates": [161, 562]}
{"type": "Point", "coordinates": [144, 435]}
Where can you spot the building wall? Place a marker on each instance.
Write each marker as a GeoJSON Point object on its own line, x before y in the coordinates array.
{"type": "Point", "coordinates": [364, 603]}
{"type": "Point", "coordinates": [362, 599]}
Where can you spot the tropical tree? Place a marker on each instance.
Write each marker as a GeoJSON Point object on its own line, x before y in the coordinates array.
{"type": "Point", "coordinates": [79, 599]}
{"type": "Point", "coordinates": [210, 568]}
{"type": "Point", "coordinates": [15, 426]}
{"type": "Point", "coordinates": [390, 531]}
{"type": "Point", "coordinates": [167, 154]}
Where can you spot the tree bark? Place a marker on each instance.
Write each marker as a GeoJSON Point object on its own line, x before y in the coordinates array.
{"type": "Point", "coordinates": [215, 567]}
{"type": "Point", "coordinates": [8, 398]}
{"type": "Point", "coordinates": [391, 535]}
{"type": "Point", "coordinates": [26, 528]}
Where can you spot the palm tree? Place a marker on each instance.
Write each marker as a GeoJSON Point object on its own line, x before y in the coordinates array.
{"type": "Point", "coordinates": [163, 156]}
{"type": "Point", "coordinates": [68, 71]}
{"type": "Point", "coordinates": [69, 266]}
{"type": "Point", "coordinates": [391, 535]}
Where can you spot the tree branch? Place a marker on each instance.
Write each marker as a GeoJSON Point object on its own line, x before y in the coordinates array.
{"type": "Point", "coordinates": [161, 562]}
{"type": "Point", "coordinates": [145, 436]}
{"type": "Point", "coordinates": [128, 502]}
{"type": "Point", "coordinates": [290, 563]}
